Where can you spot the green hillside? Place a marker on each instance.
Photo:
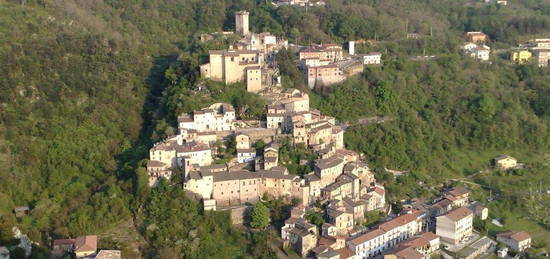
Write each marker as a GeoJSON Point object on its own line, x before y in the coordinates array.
{"type": "Point", "coordinates": [88, 86]}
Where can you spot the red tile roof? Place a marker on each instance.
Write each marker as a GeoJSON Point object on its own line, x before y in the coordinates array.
{"type": "Point", "coordinates": [517, 236]}
{"type": "Point", "coordinates": [85, 244]}
{"type": "Point", "coordinates": [459, 213]}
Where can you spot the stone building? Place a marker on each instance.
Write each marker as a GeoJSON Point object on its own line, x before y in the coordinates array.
{"type": "Point", "coordinates": [241, 22]}
{"type": "Point", "coordinates": [230, 66]}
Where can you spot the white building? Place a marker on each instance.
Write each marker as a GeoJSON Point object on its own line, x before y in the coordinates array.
{"type": "Point", "coordinates": [386, 235]}
{"type": "Point", "coordinates": [518, 241]}
{"type": "Point", "coordinates": [454, 226]}
{"type": "Point", "coordinates": [372, 58]}
{"type": "Point", "coordinates": [217, 117]}
{"type": "Point", "coordinates": [477, 51]}
{"type": "Point", "coordinates": [246, 155]}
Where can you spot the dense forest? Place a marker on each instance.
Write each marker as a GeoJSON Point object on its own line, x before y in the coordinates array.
{"type": "Point", "coordinates": [88, 86]}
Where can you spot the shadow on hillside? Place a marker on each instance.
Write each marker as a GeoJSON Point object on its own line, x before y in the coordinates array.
{"type": "Point", "coordinates": [128, 159]}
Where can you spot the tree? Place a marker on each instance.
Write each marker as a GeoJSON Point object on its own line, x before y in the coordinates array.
{"type": "Point", "coordinates": [259, 216]}
{"type": "Point", "coordinates": [315, 218]}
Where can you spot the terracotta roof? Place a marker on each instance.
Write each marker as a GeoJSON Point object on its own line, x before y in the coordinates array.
{"type": "Point", "coordinates": [458, 191]}
{"type": "Point", "coordinates": [458, 214]}
{"type": "Point", "coordinates": [400, 221]}
{"type": "Point", "coordinates": [58, 242]}
{"type": "Point", "coordinates": [517, 236]}
{"type": "Point", "coordinates": [379, 190]}
{"type": "Point", "coordinates": [408, 253]}
{"type": "Point", "coordinates": [85, 244]}
{"type": "Point", "coordinates": [345, 253]}
{"type": "Point", "coordinates": [367, 236]}
{"type": "Point", "coordinates": [429, 236]}
{"type": "Point", "coordinates": [443, 203]}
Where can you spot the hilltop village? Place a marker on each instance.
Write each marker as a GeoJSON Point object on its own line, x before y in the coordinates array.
{"type": "Point", "coordinates": [340, 179]}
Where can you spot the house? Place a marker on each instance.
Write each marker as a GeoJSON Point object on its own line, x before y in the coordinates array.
{"type": "Point", "coordinates": [542, 57]}
{"type": "Point", "coordinates": [246, 155]}
{"type": "Point", "coordinates": [242, 141]}
{"type": "Point", "coordinates": [454, 226]}
{"type": "Point", "coordinates": [85, 246]}
{"type": "Point", "coordinates": [518, 241]}
{"type": "Point", "coordinates": [520, 56]}
{"type": "Point", "coordinates": [372, 58]}
{"type": "Point", "coordinates": [476, 37]}
{"type": "Point", "coordinates": [479, 210]}
{"type": "Point", "coordinates": [82, 246]}
{"type": "Point", "coordinates": [505, 162]}
{"type": "Point", "coordinates": [458, 196]}
{"type": "Point", "coordinates": [300, 235]}
{"type": "Point", "coordinates": [21, 211]}
{"type": "Point", "coordinates": [481, 53]}
{"type": "Point", "coordinates": [62, 246]}
{"type": "Point", "coordinates": [109, 254]}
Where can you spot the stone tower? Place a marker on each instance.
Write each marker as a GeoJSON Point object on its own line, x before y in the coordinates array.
{"type": "Point", "coordinates": [241, 22]}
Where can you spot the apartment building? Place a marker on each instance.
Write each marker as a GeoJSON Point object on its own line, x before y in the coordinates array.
{"type": "Point", "coordinates": [216, 117]}
{"type": "Point", "coordinates": [454, 226]}
{"type": "Point", "coordinates": [387, 235]}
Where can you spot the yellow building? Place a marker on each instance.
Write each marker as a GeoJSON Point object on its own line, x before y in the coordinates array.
{"type": "Point", "coordinates": [520, 56]}
{"type": "Point", "coordinates": [505, 162]}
